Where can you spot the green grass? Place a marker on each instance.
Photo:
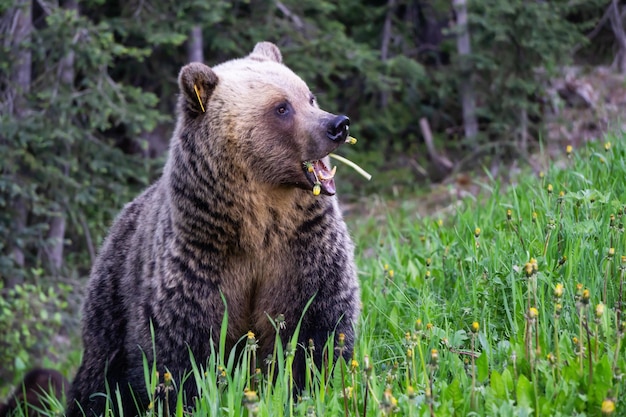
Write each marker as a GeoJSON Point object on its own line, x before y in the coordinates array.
{"type": "Point", "coordinates": [533, 350]}
{"type": "Point", "coordinates": [510, 304]}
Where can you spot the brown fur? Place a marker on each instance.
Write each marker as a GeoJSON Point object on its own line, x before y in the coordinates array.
{"type": "Point", "coordinates": [32, 392]}
{"type": "Point", "coordinates": [233, 215]}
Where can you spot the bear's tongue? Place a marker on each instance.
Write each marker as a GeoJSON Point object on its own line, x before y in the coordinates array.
{"type": "Point", "coordinates": [324, 176]}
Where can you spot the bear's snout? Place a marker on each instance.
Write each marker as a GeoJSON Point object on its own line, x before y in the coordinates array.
{"type": "Point", "coordinates": [338, 128]}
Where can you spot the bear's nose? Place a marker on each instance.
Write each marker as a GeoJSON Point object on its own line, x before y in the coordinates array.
{"type": "Point", "coordinates": [338, 128]}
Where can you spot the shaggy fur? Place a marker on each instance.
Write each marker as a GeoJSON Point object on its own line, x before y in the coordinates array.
{"type": "Point", "coordinates": [233, 214]}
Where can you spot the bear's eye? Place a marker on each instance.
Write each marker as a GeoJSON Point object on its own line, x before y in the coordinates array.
{"type": "Point", "coordinates": [282, 109]}
{"type": "Point", "coordinates": [312, 100]}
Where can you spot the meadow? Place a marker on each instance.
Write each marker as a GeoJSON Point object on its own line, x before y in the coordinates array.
{"type": "Point", "coordinates": [508, 303]}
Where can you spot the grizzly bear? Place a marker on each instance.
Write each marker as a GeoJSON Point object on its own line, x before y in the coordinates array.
{"type": "Point", "coordinates": [235, 222]}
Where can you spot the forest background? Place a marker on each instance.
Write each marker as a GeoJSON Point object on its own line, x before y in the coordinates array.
{"type": "Point", "coordinates": [88, 89]}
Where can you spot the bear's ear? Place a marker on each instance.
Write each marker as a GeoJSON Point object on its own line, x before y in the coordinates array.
{"type": "Point", "coordinates": [196, 82]}
{"type": "Point", "coordinates": [266, 51]}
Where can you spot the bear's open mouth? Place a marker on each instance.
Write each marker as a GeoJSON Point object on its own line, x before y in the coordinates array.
{"type": "Point", "coordinates": [319, 175]}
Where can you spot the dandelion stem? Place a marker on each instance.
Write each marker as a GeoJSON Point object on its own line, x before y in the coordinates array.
{"type": "Point", "coordinates": [545, 246]}
{"type": "Point", "coordinates": [419, 349]}
{"type": "Point", "coordinates": [606, 280]}
{"type": "Point", "coordinates": [343, 381]}
{"type": "Point", "coordinates": [589, 356]}
{"type": "Point", "coordinates": [580, 338]}
{"type": "Point", "coordinates": [556, 344]}
{"type": "Point", "coordinates": [618, 315]}
{"type": "Point", "coordinates": [352, 165]}
{"type": "Point", "coordinates": [473, 399]}
{"type": "Point", "coordinates": [367, 390]}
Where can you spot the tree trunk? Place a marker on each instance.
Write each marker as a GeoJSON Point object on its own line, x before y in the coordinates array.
{"type": "Point", "coordinates": [20, 78]}
{"type": "Point", "coordinates": [21, 26]}
{"type": "Point", "coordinates": [466, 90]}
{"type": "Point", "coordinates": [523, 130]}
{"type": "Point", "coordinates": [56, 237]}
{"type": "Point", "coordinates": [57, 223]}
{"type": "Point", "coordinates": [384, 47]}
{"type": "Point", "coordinates": [195, 45]}
{"type": "Point", "coordinates": [619, 63]}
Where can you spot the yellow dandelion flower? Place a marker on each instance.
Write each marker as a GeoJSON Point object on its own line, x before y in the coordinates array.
{"type": "Point", "coordinates": [607, 146]}
{"type": "Point", "coordinates": [599, 310]}
{"type": "Point", "coordinates": [250, 398]}
{"type": "Point", "coordinates": [475, 327]}
{"type": "Point", "coordinates": [586, 296]}
{"type": "Point", "coordinates": [533, 313]}
{"type": "Point", "coordinates": [534, 264]}
{"type": "Point", "coordinates": [389, 401]}
{"type": "Point", "coordinates": [569, 149]}
{"type": "Point", "coordinates": [608, 406]}
{"type": "Point", "coordinates": [558, 290]}
{"type": "Point", "coordinates": [528, 269]}
{"type": "Point", "coordinates": [550, 188]}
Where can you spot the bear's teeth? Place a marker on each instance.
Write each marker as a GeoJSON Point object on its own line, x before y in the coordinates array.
{"type": "Point", "coordinates": [330, 177]}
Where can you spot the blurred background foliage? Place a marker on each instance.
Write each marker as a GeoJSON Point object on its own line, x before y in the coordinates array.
{"type": "Point", "coordinates": [88, 88]}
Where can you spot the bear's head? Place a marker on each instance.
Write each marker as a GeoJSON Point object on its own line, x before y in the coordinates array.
{"type": "Point", "coordinates": [260, 114]}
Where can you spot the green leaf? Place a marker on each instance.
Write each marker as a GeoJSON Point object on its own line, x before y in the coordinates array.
{"type": "Point", "coordinates": [498, 386]}
{"type": "Point", "coordinates": [454, 393]}
{"type": "Point", "coordinates": [507, 379]}
{"type": "Point", "coordinates": [524, 392]}
{"type": "Point", "coordinates": [482, 365]}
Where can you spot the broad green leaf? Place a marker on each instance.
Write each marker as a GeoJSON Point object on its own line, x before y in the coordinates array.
{"type": "Point", "coordinates": [498, 385]}
{"type": "Point", "coordinates": [482, 367]}
{"type": "Point", "coordinates": [524, 392]}
{"type": "Point", "coordinates": [454, 393]}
